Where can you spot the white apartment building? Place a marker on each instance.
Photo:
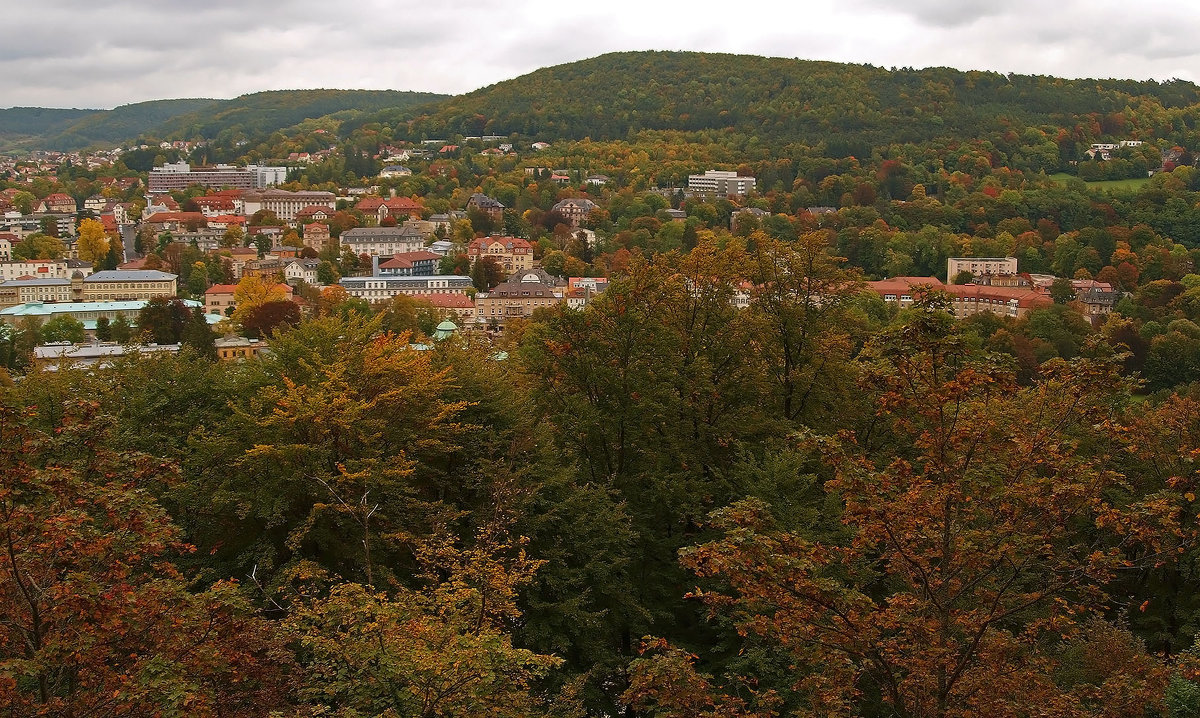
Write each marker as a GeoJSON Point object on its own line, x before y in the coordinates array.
{"type": "Point", "coordinates": [721, 183]}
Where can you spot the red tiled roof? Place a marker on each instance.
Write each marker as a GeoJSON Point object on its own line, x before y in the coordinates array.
{"type": "Point", "coordinates": [418, 255]}
{"type": "Point", "coordinates": [480, 244]}
{"type": "Point", "coordinates": [1025, 297]}
{"type": "Point", "coordinates": [902, 285]}
{"type": "Point", "coordinates": [161, 217]}
{"type": "Point", "coordinates": [448, 300]}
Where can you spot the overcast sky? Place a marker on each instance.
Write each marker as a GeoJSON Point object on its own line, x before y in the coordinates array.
{"type": "Point", "coordinates": [102, 53]}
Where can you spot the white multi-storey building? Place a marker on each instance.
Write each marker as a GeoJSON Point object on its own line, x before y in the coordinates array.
{"type": "Point", "coordinates": [721, 183]}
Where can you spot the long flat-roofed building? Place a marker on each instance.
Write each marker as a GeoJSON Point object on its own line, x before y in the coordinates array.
{"type": "Point", "coordinates": [287, 205]}
{"type": "Point", "coordinates": [383, 241]}
{"type": "Point", "coordinates": [721, 183]}
{"type": "Point", "coordinates": [383, 288]}
{"type": "Point", "coordinates": [87, 312]}
{"type": "Point", "coordinates": [109, 285]}
{"type": "Point", "coordinates": [181, 175]}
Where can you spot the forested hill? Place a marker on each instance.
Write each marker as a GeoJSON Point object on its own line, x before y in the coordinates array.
{"type": "Point", "coordinates": [613, 95]}
{"type": "Point", "coordinates": [253, 115]}
{"type": "Point", "coordinates": [261, 113]}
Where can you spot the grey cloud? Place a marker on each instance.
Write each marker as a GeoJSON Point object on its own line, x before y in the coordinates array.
{"type": "Point", "coordinates": [103, 53]}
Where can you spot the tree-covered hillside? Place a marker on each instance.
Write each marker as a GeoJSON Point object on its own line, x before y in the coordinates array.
{"type": "Point", "coordinates": [261, 113]}
{"type": "Point", "coordinates": [23, 123]}
{"type": "Point", "coordinates": [253, 116]}
{"type": "Point", "coordinates": [121, 124]}
{"type": "Point", "coordinates": [610, 96]}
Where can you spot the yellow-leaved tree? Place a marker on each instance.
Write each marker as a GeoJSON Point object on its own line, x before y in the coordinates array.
{"type": "Point", "coordinates": [253, 292]}
{"type": "Point", "coordinates": [93, 241]}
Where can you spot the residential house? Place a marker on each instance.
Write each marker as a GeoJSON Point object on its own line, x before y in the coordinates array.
{"type": "Point", "coordinates": [302, 270]}
{"type": "Point", "coordinates": [575, 210]}
{"type": "Point", "coordinates": [57, 202]}
{"type": "Point", "coordinates": [212, 206]}
{"type": "Point", "coordinates": [482, 203]}
{"type": "Point", "coordinates": [747, 212]}
{"type": "Point", "coordinates": [398, 208]}
{"type": "Point", "coordinates": [269, 268]}
{"type": "Point", "coordinates": [582, 290]}
{"type": "Point", "coordinates": [314, 213]}
{"type": "Point", "coordinates": [512, 253]}
{"type": "Point", "coordinates": [230, 348]}
{"type": "Point", "coordinates": [316, 236]}
{"type": "Point", "coordinates": [395, 171]}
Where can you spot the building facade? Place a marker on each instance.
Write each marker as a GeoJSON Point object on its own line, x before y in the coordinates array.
{"type": "Point", "coordinates": [721, 183]}
{"type": "Point", "coordinates": [512, 253]}
{"type": "Point", "coordinates": [384, 288]}
{"type": "Point", "coordinates": [382, 241]}
{"type": "Point", "coordinates": [574, 209]}
{"type": "Point", "coordinates": [180, 175]}
{"type": "Point", "coordinates": [980, 266]}
{"type": "Point", "coordinates": [287, 205]}
{"type": "Point", "coordinates": [518, 297]}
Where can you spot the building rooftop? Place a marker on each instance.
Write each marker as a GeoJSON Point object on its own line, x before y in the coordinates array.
{"type": "Point", "coordinates": [130, 275]}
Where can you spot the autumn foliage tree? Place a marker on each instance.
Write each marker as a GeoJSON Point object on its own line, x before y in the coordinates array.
{"type": "Point", "coordinates": [96, 619]}
{"type": "Point", "coordinates": [92, 243]}
{"type": "Point", "coordinates": [980, 535]}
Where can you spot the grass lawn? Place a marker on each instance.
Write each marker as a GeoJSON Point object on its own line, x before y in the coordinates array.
{"type": "Point", "coordinates": [1125, 184]}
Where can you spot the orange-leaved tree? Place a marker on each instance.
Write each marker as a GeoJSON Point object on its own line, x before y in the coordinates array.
{"type": "Point", "coordinates": [94, 619]}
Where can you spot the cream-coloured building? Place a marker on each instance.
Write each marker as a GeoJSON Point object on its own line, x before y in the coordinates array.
{"type": "Point", "coordinates": [518, 297]}
{"type": "Point", "coordinates": [980, 266]}
{"type": "Point", "coordinates": [512, 253]}
{"type": "Point", "coordinates": [107, 286]}
{"type": "Point", "coordinates": [286, 205]}
{"type": "Point", "coordinates": [44, 268]}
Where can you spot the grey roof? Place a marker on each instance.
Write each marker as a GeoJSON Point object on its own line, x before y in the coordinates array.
{"type": "Point", "coordinates": [47, 282]}
{"type": "Point", "coordinates": [129, 275]}
{"type": "Point", "coordinates": [378, 234]}
{"type": "Point", "coordinates": [392, 282]}
{"type": "Point", "coordinates": [482, 200]}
